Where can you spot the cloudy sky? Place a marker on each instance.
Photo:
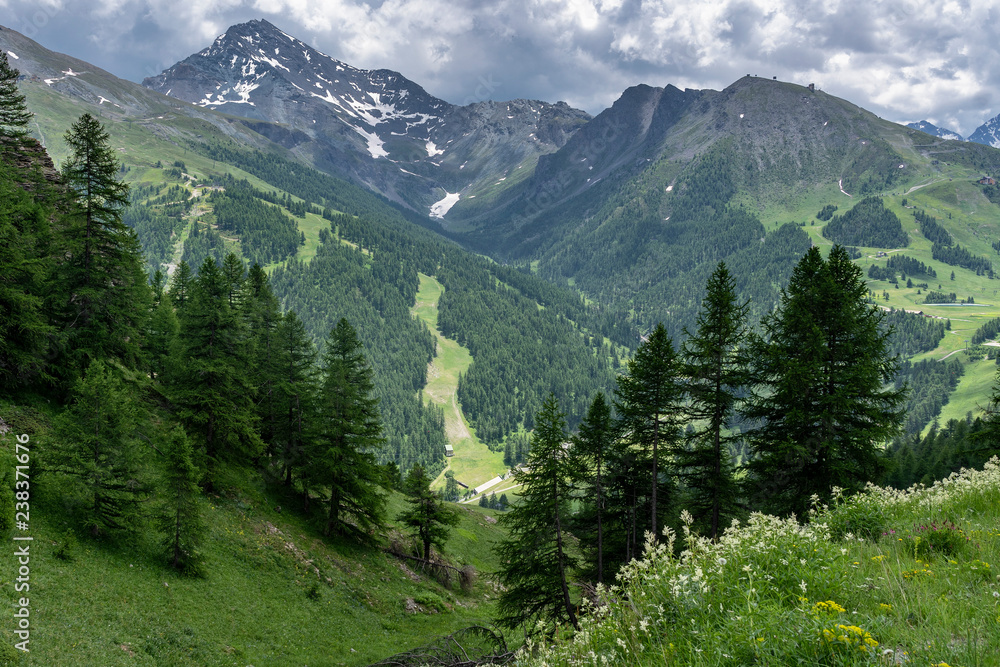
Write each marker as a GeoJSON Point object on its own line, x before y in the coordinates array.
{"type": "Point", "coordinates": [903, 59]}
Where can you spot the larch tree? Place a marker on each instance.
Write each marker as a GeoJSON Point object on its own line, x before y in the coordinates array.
{"type": "Point", "coordinates": [820, 396]}
{"type": "Point", "coordinates": [429, 519]}
{"type": "Point", "coordinates": [103, 290]}
{"type": "Point", "coordinates": [180, 286]}
{"type": "Point", "coordinates": [263, 316]}
{"type": "Point", "coordinates": [534, 560]}
{"type": "Point", "coordinates": [180, 518]}
{"type": "Point", "coordinates": [25, 263]}
{"type": "Point", "coordinates": [207, 378]}
{"type": "Point", "coordinates": [592, 445]}
{"type": "Point", "coordinates": [650, 411]}
{"type": "Point", "coordinates": [717, 373]}
{"type": "Point", "coordinates": [14, 114]}
{"type": "Point", "coordinates": [297, 388]}
{"type": "Point", "coordinates": [96, 444]}
{"type": "Point", "coordinates": [347, 434]}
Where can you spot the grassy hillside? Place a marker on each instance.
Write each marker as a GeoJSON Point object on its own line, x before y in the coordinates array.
{"type": "Point", "coordinates": [274, 592]}
{"type": "Point", "coordinates": [885, 578]}
{"type": "Point", "coordinates": [959, 205]}
{"type": "Point", "coordinates": [473, 462]}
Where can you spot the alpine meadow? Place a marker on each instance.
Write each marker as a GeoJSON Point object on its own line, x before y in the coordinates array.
{"type": "Point", "coordinates": [303, 365]}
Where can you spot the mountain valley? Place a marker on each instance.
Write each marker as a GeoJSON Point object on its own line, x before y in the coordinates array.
{"type": "Point", "coordinates": [492, 258]}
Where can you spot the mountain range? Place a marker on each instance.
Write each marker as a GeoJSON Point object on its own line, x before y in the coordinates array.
{"type": "Point", "coordinates": [633, 206]}
{"type": "Point", "coordinates": [373, 127]}
{"type": "Point", "coordinates": [987, 134]}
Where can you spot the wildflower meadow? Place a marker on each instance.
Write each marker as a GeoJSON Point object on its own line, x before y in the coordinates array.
{"type": "Point", "coordinates": [885, 577]}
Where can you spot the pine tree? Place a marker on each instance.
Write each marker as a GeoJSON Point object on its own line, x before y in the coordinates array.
{"type": "Point", "coordinates": [592, 445]}
{"type": "Point", "coordinates": [347, 436]}
{"type": "Point", "coordinates": [820, 372]}
{"type": "Point", "coordinates": [650, 411]}
{"type": "Point", "coordinates": [264, 318]}
{"type": "Point", "coordinates": [103, 287]}
{"type": "Point", "coordinates": [25, 262]}
{"type": "Point", "coordinates": [180, 286]}
{"type": "Point", "coordinates": [14, 114]}
{"type": "Point", "coordinates": [96, 444]}
{"type": "Point", "coordinates": [297, 387]}
{"type": "Point", "coordinates": [450, 486]}
{"type": "Point", "coordinates": [208, 380]}
{"type": "Point", "coordinates": [534, 562]}
{"type": "Point", "coordinates": [180, 520]}
{"type": "Point", "coordinates": [428, 517]}
{"type": "Point", "coordinates": [161, 334]}
{"type": "Point", "coordinates": [717, 373]}
{"type": "Point", "coordinates": [985, 442]}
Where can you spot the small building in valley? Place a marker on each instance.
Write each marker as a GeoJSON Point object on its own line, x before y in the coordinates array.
{"type": "Point", "coordinates": [449, 450]}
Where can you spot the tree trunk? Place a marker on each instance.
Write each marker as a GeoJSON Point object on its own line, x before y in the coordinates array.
{"type": "Point", "coordinates": [562, 567]}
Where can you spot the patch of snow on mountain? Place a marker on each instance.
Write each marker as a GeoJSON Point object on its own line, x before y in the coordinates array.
{"type": "Point", "coordinates": [374, 143]}
{"type": "Point", "coordinates": [70, 72]}
{"type": "Point", "coordinates": [273, 62]}
{"type": "Point", "coordinates": [440, 208]}
{"type": "Point", "coordinates": [13, 55]}
{"type": "Point", "coordinates": [433, 150]}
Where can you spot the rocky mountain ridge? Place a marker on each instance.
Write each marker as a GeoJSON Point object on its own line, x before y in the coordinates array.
{"type": "Point", "coordinates": [374, 127]}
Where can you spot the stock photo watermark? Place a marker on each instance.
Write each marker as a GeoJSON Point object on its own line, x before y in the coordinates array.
{"type": "Point", "coordinates": [22, 541]}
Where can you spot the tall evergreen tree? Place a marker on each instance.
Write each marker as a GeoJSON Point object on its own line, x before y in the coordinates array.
{"type": "Point", "coordinates": [264, 317]}
{"type": "Point", "coordinates": [208, 380]}
{"type": "Point", "coordinates": [650, 412]}
{"type": "Point", "coordinates": [14, 114]}
{"type": "Point", "coordinates": [820, 395]}
{"type": "Point", "coordinates": [428, 517]}
{"type": "Point", "coordinates": [985, 442]}
{"type": "Point", "coordinates": [25, 261]}
{"type": "Point", "coordinates": [161, 334]}
{"type": "Point", "coordinates": [180, 520]}
{"type": "Point", "coordinates": [96, 445]}
{"type": "Point", "coordinates": [593, 445]}
{"type": "Point", "coordinates": [103, 288]}
{"type": "Point", "coordinates": [296, 388]}
{"type": "Point", "coordinates": [717, 373]}
{"type": "Point", "coordinates": [347, 436]}
{"type": "Point", "coordinates": [180, 286]}
{"type": "Point", "coordinates": [534, 562]}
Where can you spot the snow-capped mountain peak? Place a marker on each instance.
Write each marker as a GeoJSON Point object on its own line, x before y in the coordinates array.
{"type": "Point", "coordinates": [374, 126]}
{"type": "Point", "coordinates": [934, 130]}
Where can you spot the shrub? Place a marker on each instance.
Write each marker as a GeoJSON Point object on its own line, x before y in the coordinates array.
{"type": "Point", "coordinates": [860, 515]}
{"type": "Point", "coordinates": [944, 539]}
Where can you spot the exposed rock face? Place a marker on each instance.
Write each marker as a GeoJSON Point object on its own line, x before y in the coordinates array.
{"type": "Point", "coordinates": [31, 157]}
{"type": "Point", "coordinates": [374, 127]}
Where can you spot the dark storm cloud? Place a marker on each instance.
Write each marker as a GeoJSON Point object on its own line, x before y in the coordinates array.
{"type": "Point", "coordinates": [902, 59]}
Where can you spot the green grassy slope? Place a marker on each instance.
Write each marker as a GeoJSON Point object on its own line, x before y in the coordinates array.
{"type": "Point", "coordinates": [920, 588]}
{"type": "Point", "coordinates": [949, 193]}
{"type": "Point", "coordinates": [473, 462]}
{"type": "Point", "coordinates": [275, 592]}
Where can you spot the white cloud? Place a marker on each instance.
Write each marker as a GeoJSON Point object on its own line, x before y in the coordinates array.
{"type": "Point", "coordinates": [900, 58]}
